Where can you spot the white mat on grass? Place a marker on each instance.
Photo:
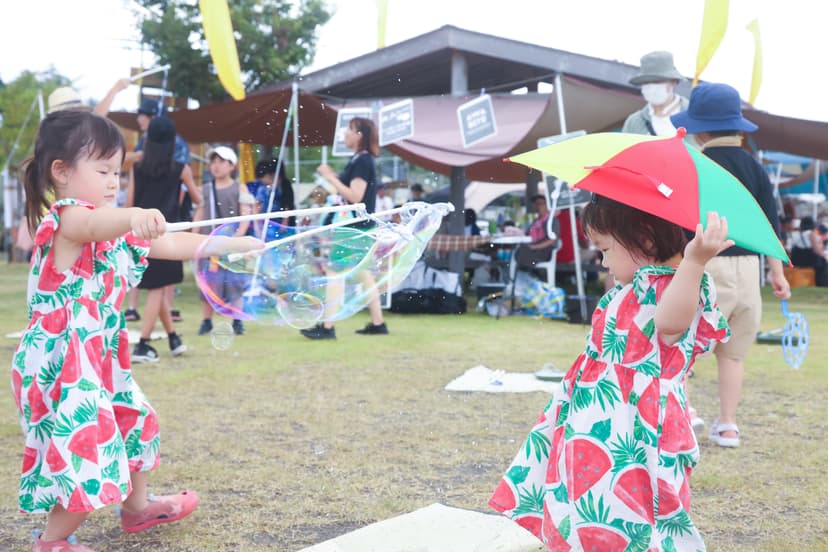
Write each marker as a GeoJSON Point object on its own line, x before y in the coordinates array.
{"type": "Point", "coordinates": [481, 378]}
{"type": "Point", "coordinates": [135, 336]}
{"type": "Point", "coordinates": [436, 528]}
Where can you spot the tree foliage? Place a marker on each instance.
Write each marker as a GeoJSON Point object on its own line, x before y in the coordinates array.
{"type": "Point", "coordinates": [16, 98]}
{"type": "Point", "coordinates": [275, 40]}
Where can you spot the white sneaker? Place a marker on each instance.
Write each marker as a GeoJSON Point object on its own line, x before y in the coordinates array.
{"type": "Point", "coordinates": [695, 421]}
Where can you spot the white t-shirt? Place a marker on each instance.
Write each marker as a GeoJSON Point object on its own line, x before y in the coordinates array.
{"type": "Point", "coordinates": [662, 125]}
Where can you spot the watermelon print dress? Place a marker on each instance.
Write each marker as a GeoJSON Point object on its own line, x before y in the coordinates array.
{"type": "Point", "coordinates": [606, 466]}
{"type": "Point", "coordinates": [86, 422]}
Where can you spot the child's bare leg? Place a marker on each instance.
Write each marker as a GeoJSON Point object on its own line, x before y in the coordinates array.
{"type": "Point", "coordinates": [137, 499]}
{"type": "Point", "coordinates": [164, 313]}
{"type": "Point", "coordinates": [61, 524]}
{"type": "Point", "coordinates": [151, 311]}
{"type": "Point", "coordinates": [133, 299]}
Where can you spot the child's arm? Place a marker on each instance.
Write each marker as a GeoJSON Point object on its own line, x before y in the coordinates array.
{"type": "Point", "coordinates": [192, 189]}
{"type": "Point", "coordinates": [81, 225]}
{"type": "Point", "coordinates": [182, 246]}
{"type": "Point", "coordinates": [680, 301]}
{"type": "Point", "coordinates": [102, 108]}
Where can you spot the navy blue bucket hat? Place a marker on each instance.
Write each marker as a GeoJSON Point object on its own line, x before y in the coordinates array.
{"type": "Point", "coordinates": [713, 107]}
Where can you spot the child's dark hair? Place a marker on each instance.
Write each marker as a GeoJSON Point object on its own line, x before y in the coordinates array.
{"type": "Point", "coordinates": [65, 136]}
{"type": "Point", "coordinates": [368, 134]}
{"type": "Point", "coordinates": [639, 232]}
{"type": "Point", "coordinates": [265, 167]}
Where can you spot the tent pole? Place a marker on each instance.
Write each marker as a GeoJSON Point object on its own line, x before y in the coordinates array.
{"type": "Point", "coordinates": [817, 170]}
{"type": "Point", "coordinates": [576, 250]}
{"type": "Point", "coordinates": [295, 107]}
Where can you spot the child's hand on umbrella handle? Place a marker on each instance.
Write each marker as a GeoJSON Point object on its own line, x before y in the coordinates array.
{"type": "Point", "coordinates": [710, 241]}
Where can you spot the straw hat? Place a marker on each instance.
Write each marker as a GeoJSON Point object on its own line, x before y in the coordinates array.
{"type": "Point", "coordinates": [64, 98]}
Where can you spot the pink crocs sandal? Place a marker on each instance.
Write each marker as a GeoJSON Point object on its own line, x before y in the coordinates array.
{"type": "Point", "coordinates": [161, 509]}
{"type": "Point", "coordinates": [716, 434]}
{"type": "Point", "coordinates": [58, 546]}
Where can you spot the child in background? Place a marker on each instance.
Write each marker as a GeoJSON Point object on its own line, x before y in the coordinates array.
{"type": "Point", "coordinates": [223, 197]}
{"type": "Point", "coordinates": [607, 465]}
{"type": "Point", "coordinates": [91, 437]}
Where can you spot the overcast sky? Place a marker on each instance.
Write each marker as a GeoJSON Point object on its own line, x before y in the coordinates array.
{"type": "Point", "coordinates": [94, 42]}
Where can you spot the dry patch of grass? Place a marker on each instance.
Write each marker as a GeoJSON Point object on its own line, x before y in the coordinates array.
{"type": "Point", "coordinates": [290, 442]}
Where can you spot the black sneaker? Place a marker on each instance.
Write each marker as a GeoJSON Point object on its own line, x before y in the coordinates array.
{"type": "Point", "coordinates": [131, 315]}
{"type": "Point", "coordinates": [143, 352]}
{"type": "Point", "coordinates": [238, 327]}
{"type": "Point", "coordinates": [374, 329]}
{"type": "Point", "coordinates": [177, 348]}
{"type": "Point", "coordinates": [319, 332]}
{"type": "Point", "coordinates": [175, 315]}
{"type": "Point", "coordinates": [206, 327]}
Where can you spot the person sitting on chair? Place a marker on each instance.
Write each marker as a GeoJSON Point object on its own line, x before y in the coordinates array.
{"type": "Point", "coordinates": [808, 250]}
{"type": "Point", "coordinates": [543, 242]}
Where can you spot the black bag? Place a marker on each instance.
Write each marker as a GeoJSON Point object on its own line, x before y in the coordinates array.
{"type": "Point", "coordinates": [427, 301]}
{"type": "Point", "coordinates": [573, 309]}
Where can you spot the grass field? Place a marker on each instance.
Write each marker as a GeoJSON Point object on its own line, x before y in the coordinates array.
{"type": "Point", "coordinates": [290, 442]}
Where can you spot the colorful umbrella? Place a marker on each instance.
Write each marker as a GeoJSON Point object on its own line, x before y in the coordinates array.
{"type": "Point", "coordinates": [662, 176]}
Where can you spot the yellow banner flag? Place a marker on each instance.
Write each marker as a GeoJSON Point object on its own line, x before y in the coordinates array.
{"type": "Point", "coordinates": [756, 79]}
{"type": "Point", "coordinates": [218, 29]}
{"type": "Point", "coordinates": [247, 165]}
{"type": "Point", "coordinates": [713, 30]}
{"type": "Point", "coordinates": [382, 18]}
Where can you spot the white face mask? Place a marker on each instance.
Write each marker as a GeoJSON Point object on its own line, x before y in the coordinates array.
{"type": "Point", "coordinates": [657, 93]}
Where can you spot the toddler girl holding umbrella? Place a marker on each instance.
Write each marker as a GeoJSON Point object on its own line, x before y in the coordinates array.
{"type": "Point", "coordinates": [607, 464]}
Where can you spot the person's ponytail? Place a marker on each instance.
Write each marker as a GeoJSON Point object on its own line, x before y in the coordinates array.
{"type": "Point", "coordinates": [34, 184]}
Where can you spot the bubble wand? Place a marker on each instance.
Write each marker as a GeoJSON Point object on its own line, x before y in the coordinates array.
{"type": "Point", "coordinates": [361, 216]}
{"type": "Point", "coordinates": [181, 226]}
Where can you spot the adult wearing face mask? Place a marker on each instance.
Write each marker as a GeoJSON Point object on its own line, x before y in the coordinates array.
{"type": "Point", "coordinates": [658, 80]}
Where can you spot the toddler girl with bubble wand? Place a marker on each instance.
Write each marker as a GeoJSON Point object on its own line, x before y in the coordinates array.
{"type": "Point", "coordinates": [607, 464]}
{"type": "Point", "coordinates": [91, 437]}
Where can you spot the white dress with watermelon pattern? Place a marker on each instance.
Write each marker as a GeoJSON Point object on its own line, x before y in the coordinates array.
{"type": "Point", "coordinates": [85, 420]}
{"type": "Point", "coordinates": [607, 465]}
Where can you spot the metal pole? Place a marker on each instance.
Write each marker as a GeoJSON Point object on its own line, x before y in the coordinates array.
{"type": "Point", "coordinates": [295, 108]}
{"type": "Point", "coordinates": [576, 250]}
{"type": "Point", "coordinates": [816, 188]}
{"type": "Point", "coordinates": [40, 104]}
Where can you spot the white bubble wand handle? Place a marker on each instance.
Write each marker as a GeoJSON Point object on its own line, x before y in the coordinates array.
{"type": "Point", "coordinates": [180, 226]}
{"type": "Point", "coordinates": [149, 72]}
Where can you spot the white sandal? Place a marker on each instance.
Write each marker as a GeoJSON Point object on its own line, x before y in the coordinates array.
{"type": "Point", "coordinates": [716, 434]}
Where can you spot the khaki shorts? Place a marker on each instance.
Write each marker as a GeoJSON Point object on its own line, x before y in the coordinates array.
{"type": "Point", "coordinates": [739, 299]}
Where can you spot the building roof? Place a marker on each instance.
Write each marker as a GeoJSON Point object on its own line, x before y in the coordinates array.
{"type": "Point", "coordinates": [421, 66]}
{"type": "Point", "coordinates": [596, 93]}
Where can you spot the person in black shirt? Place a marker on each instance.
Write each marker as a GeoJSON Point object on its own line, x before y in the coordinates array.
{"type": "Point", "coordinates": [714, 117]}
{"type": "Point", "coordinates": [357, 183]}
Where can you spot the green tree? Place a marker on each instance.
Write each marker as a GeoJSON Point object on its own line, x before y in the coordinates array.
{"type": "Point", "coordinates": [275, 40]}
{"type": "Point", "coordinates": [16, 98]}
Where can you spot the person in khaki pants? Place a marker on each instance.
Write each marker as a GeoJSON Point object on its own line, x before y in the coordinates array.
{"type": "Point", "coordinates": [714, 118]}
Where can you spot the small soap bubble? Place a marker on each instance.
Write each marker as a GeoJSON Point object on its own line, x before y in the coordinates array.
{"type": "Point", "coordinates": [222, 336]}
